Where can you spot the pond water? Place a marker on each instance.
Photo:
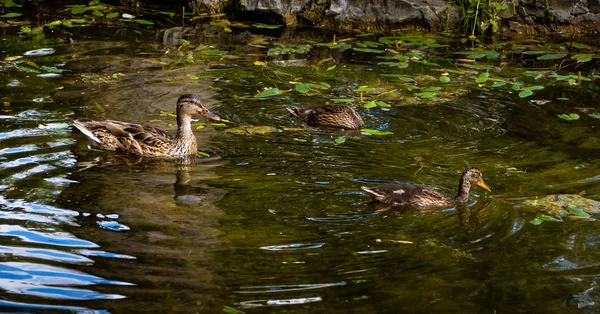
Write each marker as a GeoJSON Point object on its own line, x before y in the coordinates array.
{"type": "Point", "coordinates": [274, 220]}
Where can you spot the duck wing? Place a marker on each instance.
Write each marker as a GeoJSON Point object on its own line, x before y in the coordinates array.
{"type": "Point", "coordinates": [407, 195]}
{"type": "Point", "coordinates": [127, 137]}
{"type": "Point", "coordinates": [336, 116]}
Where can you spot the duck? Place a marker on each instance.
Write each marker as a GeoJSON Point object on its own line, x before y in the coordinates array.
{"type": "Point", "coordinates": [147, 141]}
{"type": "Point", "coordinates": [333, 116]}
{"type": "Point", "coordinates": [424, 198]}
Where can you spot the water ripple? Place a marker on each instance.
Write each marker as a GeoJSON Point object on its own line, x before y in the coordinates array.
{"type": "Point", "coordinates": [295, 246]}
{"type": "Point", "coordinates": [50, 238]}
{"type": "Point", "coordinates": [76, 309]}
{"type": "Point", "coordinates": [41, 280]}
{"type": "Point", "coordinates": [45, 254]}
{"type": "Point", "coordinates": [271, 302]}
{"type": "Point", "coordinates": [287, 288]}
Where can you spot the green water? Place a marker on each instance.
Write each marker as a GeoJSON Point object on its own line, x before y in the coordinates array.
{"type": "Point", "coordinates": [274, 220]}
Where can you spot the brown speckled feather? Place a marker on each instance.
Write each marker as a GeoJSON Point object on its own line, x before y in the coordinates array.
{"type": "Point", "coordinates": [335, 116]}
{"type": "Point", "coordinates": [146, 140]}
{"type": "Point", "coordinates": [407, 195]}
{"type": "Point", "coordinates": [422, 197]}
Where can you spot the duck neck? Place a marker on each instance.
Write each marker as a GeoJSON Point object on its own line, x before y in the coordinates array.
{"type": "Point", "coordinates": [185, 141]}
{"type": "Point", "coordinates": [463, 191]}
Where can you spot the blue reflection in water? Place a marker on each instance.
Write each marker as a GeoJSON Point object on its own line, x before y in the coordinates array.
{"type": "Point", "coordinates": [54, 238]}
{"type": "Point", "coordinates": [9, 304]}
{"type": "Point", "coordinates": [42, 280]}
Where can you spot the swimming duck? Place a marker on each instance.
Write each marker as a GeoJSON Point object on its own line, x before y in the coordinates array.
{"type": "Point", "coordinates": [335, 116]}
{"type": "Point", "coordinates": [148, 141]}
{"type": "Point", "coordinates": [422, 197]}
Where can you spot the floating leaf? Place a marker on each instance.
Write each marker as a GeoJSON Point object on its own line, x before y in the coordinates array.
{"type": "Point", "coordinates": [482, 78]}
{"type": "Point", "coordinates": [25, 29]}
{"type": "Point", "coordinates": [302, 88]}
{"type": "Point", "coordinates": [552, 56]}
{"type": "Point", "coordinates": [342, 99]}
{"type": "Point", "coordinates": [577, 212]}
{"type": "Point", "coordinates": [78, 10]}
{"type": "Point", "coordinates": [97, 13]}
{"type": "Point", "coordinates": [51, 69]}
{"type": "Point", "coordinates": [499, 84]}
{"type": "Point", "coordinates": [533, 52]}
{"type": "Point", "coordinates": [569, 117]}
{"type": "Point", "coordinates": [581, 58]}
{"type": "Point", "coordinates": [382, 104]}
{"type": "Point", "coordinates": [595, 115]}
{"type": "Point", "coordinates": [580, 46]}
{"type": "Point", "coordinates": [369, 50]}
{"type": "Point", "coordinates": [544, 217]}
{"type": "Point", "coordinates": [445, 79]}
{"type": "Point", "coordinates": [362, 89]}
{"type": "Point", "coordinates": [370, 104]}
{"type": "Point", "coordinates": [537, 87]}
{"type": "Point", "coordinates": [425, 95]}
{"type": "Point", "coordinates": [432, 89]}
{"type": "Point", "coordinates": [143, 22]}
{"type": "Point", "coordinates": [112, 15]}
{"type": "Point", "coordinates": [166, 113]}
{"type": "Point", "coordinates": [267, 26]}
{"type": "Point", "coordinates": [268, 93]}
{"type": "Point", "coordinates": [340, 140]}
{"type": "Point", "coordinates": [374, 132]}
{"type": "Point", "coordinates": [12, 14]}
{"type": "Point", "coordinates": [27, 70]}
{"type": "Point", "coordinates": [213, 52]}
{"type": "Point", "coordinates": [402, 77]}
{"type": "Point", "coordinates": [525, 93]}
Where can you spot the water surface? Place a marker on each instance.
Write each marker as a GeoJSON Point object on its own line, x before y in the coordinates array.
{"type": "Point", "coordinates": [274, 220]}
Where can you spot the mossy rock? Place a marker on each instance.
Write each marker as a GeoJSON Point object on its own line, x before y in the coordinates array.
{"type": "Point", "coordinates": [565, 205]}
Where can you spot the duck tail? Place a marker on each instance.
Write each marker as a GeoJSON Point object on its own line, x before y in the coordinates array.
{"type": "Point", "coordinates": [373, 193]}
{"type": "Point", "coordinates": [294, 111]}
{"type": "Point", "coordinates": [81, 127]}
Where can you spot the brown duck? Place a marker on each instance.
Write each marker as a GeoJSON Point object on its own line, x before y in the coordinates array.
{"type": "Point", "coordinates": [422, 197]}
{"type": "Point", "coordinates": [148, 141]}
{"type": "Point", "coordinates": [333, 116]}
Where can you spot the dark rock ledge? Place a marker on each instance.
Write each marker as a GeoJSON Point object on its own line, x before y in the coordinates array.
{"type": "Point", "coordinates": [522, 16]}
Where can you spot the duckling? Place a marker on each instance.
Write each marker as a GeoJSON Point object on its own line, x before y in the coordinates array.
{"type": "Point", "coordinates": [422, 197]}
{"type": "Point", "coordinates": [334, 116]}
{"type": "Point", "coordinates": [148, 141]}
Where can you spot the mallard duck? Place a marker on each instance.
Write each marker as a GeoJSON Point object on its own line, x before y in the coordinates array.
{"type": "Point", "coordinates": [148, 141]}
{"type": "Point", "coordinates": [335, 116]}
{"type": "Point", "coordinates": [422, 197]}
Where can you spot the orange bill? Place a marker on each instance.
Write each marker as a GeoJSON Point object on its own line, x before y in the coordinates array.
{"type": "Point", "coordinates": [210, 115]}
{"type": "Point", "coordinates": [484, 186]}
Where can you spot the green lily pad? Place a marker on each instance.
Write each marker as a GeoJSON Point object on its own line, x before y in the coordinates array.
{"type": "Point", "coordinates": [369, 50]}
{"type": "Point", "coordinates": [143, 22]}
{"type": "Point", "coordinates": [11, 15]}
{"type": "Point", "coordinates": [342, 99]}
{"type": "Point", "coordinates": [552, 56]}
{"type": "Point", "coordinates": [445, 79]}
{"type": "Point", "coordinates": [340, 140]}
{"type": "Point", "coordinates": [425, 95]}
{"type": "Point", "coordinates": [525, 93]}
{"type": "Point", "coordinates": [268, 93]}
{"type": "Point", "coordinates": [375, 132]}
{"type": "Point", "coordinates": [482, 78]}
{"type": "Point", "coordinates": [569, 117]}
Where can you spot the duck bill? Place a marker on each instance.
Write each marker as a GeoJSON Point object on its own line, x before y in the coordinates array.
{"type": "Point", "coordinates": [210, 115]}
{"type": "Point", "coordinates": [484, 186]}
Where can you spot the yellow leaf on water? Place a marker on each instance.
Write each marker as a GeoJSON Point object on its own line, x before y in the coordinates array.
{"type": "Point", "coordinates": [260, 63]}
